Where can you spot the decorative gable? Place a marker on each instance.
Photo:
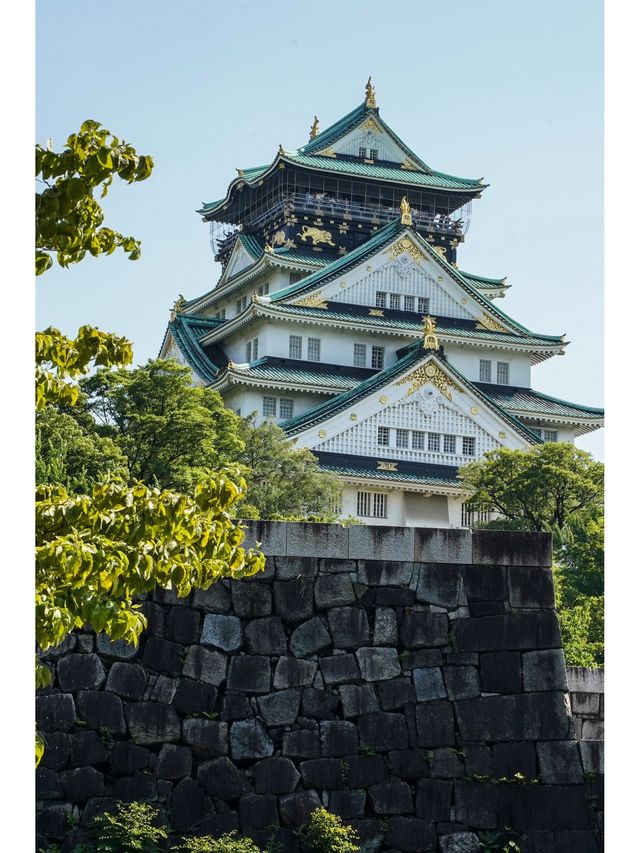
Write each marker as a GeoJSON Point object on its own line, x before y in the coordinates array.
{"type": "Point", "coordinates": [240, 260]}
{"type": "Point", "coordinates": [370, 140]}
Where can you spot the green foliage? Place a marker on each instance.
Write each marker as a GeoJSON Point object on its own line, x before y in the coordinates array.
{"type": "Point", "coordinates": [228, 843]}
{"type": "Point", "coordinates": [95, 553]}
{"type": "Point", "coordinates": [541, 488]}
{"type": "Point", "coordinates": [582, 628]}
{"type": "Point", "coordinates": [326, 833]}
{"type": "Point", "coordinates": [68, 218]}
{"type": "Point", "coordinates": [131, 829]}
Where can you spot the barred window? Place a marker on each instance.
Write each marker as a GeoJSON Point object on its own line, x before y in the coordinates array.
{"type": "Point", "coordinates": [286, 408]}
{"type": "Point", "coordinates": [485, 370]}
{"type": "Point", "coordinates": [383, 436]}
{"type": "Point", "coordinates": [379, 505]}
{"type": "Point", "coordinates": [468, 446]}
{"type": "Point", "coordinates": [417, 440]}
{"type": "Point", "coordinates": [373, 153]}
{"type": "Point", "coordinates": [449, 443]}
{"type": "Point", "coordinates": [502, 372]}
{"type": "Point", "coordinates": [550, 435]}
{"type": "Point", "coordinates": [295, 346]}
{"type": "Point", "coordinates": [363, 152]}
{"type": "Point", "coordinates": [433, 443]}
{"type": "Point", "coordinates": [376, 508]}
{"type": "Point", "coordinates": [402, 438]}
{"type": "Point", "coordinates": [313, 349]}
{"type": "Point", "coordinates": [360, 355]}
{"type": "Point", "coordinates": [247, 352]}
{"type": "Point", "coordinates": [364, 503]}
{"type": "Point", "coordinates": [423, 305]}
{"type": "Point", "coordinates": [255, 348]}
{"type": "Point", "coordinates": [381, 299]}
{"type": "Point", "coordinates": [409, 303]}
{"type": "Point", "coordinates": [295, 276]}
{"type": "Point", "coordinates": [269, 406]}
{"type": "Point", "coordinates": [377, 357]}
{"type": "Point", "coordinates": [394, 301]}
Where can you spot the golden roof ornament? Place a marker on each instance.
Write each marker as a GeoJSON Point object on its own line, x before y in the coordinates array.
{"type": "Point", "coordinates": [280, 150]}
{"type": "Point", "coordinates": [177, 306]}
{"type": "Point", "coordinates": [240, 172]}
{"type": "Point", "coordinates": [405, 210]}
{"type": "Point", "coordinates": [370, 95]}
{"type": "Point", "coordinates": [430, 341]}
{"type": "Point", "coordinates": [268, 248]}
{"type": "Point", "coordinates": [315, 128]}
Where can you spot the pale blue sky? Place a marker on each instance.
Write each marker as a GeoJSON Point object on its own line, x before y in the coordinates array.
{"type": "Point", "coordinates": [508, 91]}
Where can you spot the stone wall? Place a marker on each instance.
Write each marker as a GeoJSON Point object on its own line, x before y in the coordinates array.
{"type": "Point", "coordinates": [410, 680]}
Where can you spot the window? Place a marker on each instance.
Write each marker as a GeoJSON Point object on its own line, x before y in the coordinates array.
{"type": "Point", "coordinates": [363, 152]}
{"type": "Point", "coordinates": [286, 408]}
{"type": "Point", "coordinates": [359, 355]}
{"type": "Point", "coordinates": [220, 315]}
{"type": "Point", "coordinates": [383, 436]}
{"type": "Point", "coordinates": [269, 407]}
{"type": "Point", "coordinates": [295, 346]}
{"type": "Point", "coordinates": [263, 289]}
{"type": "Point", "coordinates": [377, 358]}
{"type": "Point", "coordinates": [365, 504]}
{"type": "Point", "coordinates": [449, 443]}
{"type": "Point", "coordinates": [433, 442]}
{"type": "Point", "coordinates": [373, 153]}
{"type": "Point", "coordinates": [294, 276]}
{"type": "Point", "coordinates": [394, 301]}
{"type": "Point", "coordinates": [247, 356]}
{"type": "Point", "coordinates": [381, 299]}
{"type": "Point", "coordinates": [255, 348]}
{"type": "Point", "coordinates": [423, 305]}
{"type": "Point", "coordinates": [409, 303]}
{"type": "Point", "coordinates": [417, 440]}
{"type": "Point", "coordinates": [502, 372]}
{"type": "Point", "coordinates": [402, 438]}
{"type": "Point", "coordinates": [485, 370]}
{"type": "Point", "coordinates": [238, 306]}
{"type": "Point", "coordinates": [536, 431]}
{"type": "Point", "coordinates": [313, 349]}
{"type": "Point", "coordinates": [468, 446]}
{"type": "Point", "coordinates": [379, 505]}
{"type": "Point", "coordinates": [550, 435]}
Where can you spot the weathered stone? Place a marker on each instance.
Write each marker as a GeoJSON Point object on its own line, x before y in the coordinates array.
{"type": "Point", "coordinates": [116, 650]}
{"type": "Point", "coordinates": [418, 629]}
{"type": "Point", "coordinates": [325, 774]}
{"type": "Point", "coordinates": [527, 630]}
{"type": "Point", "coordinates": [339, 669]}
{"type": "Point", "coordinates": [251, 600]}
{"type": "Point", "coordinates": [338, 738]}
{"type": "Point", "coordinates": [63, 648]}
{"type": "Point", "coordinates": [396, 693]}
{"type": "Point", "coordinates": [477, 760]}
{"type": "Point", "coordinates": [275, 776]}
{"type": "Point", "coordinates": [220, 824]}
{"type": "Point", "coordinates": [333, 591]}
{"type": "Point", "coordinates": [592, 755]}
{"type": "Point", "coordinates": [485, 583]}
{"type": "Point", "coordinates": [378, 664]}
{"type": "Point", "coordinates": [257, 811]}
{"type": "Point", "coordinates": [442, 545]}
{"type": "Point", "coordinates": [459, 842]}
{"type": "Point", "coordinates": [80, 672]}
{"type": "Point", "coordinates": [49, 784]}
{"type": "Point", "coordinates": [347, 804]}
{"type": "Point", "coordinates": [319, 704]}
{"type": "Point", "coordinates": [56, 753]}
{"type": "Point", "coordinates": [429, 684]}
{"type": "Point", "coordinates": [365, 770]}
{"type": "Point", "coordinates": [583, 679]}
{"type": "Point", "coordinates": [333, 566]}
{"type": "Point", "coordinates": [163, 656]}
{"type": "Point", "coordinates": [301, 744]}
{"type": "Point", "coordinates": [592, 730]}
{"type": "Point", "coordinates": [295, 809]}
{"type": "Point", "coordinates": [385, 630]}
{"type": "Point", "coordinates": [127, 680]}
{"type": "Point", "coordinates": [207, 738]}
{"type": "Point", "coordinates": [125, 758]}
{"type": "Point", "coordinates": [309, 638]}
{"type": "Point", "coordinates": [188, 804]}
{"type": "Point", "coordinates": [222, 632]}
{"type": "Point", "coordinates": [461, 682]}
{"type": "Point", "coordinates": [293, 600]}
{"type": "Point", "coordinates": [87, 748]}
{"type": "Point", "coordinates": [250, 674]}
{"type": "Point", "coordinates": [381, 543]}
{"type": "Point", "coordinates": [265, 637]}
{"type": "Point", "coordinates": [183, 625]}
{"type": "Point", "coordinates": [391, 798]}
{"type": "Point", "coordinates": [205, 665]}
{"type": "Point", "coordinates": [409, 763]}
{"type": "Point", "coordinates": [152, 722]}
{"type": "Point", "coordinates": [174, 762]}
{"type": "Point", "coordinates": [249, 739]}
{"type": "Point", "coordinates": [163, 689]}
{"type": "Point", "coordinates": [310, 538]}
{"type": "Point", "coordinates": [216, 599]}
{"type": "Point", "coordinates": [446, 763]}
{"type": "Point", "coordinates": [101, 710]}
{"type": "Point", "coordinates": [511, 548]}
{"type": "Point", "coordinates": [96, 806]}
{"type": "Point", "coordinates": [270, 536]}
{"type": "Point", "coordinates": [384, 573]}
{"type": "Point", "coordinates": [500, 672]}
{"type": "Point", "coordinates": [545, 670]}
{"type": "Point", "coordinates": [194, 697]}
{"type": "Point", "coordinates": [511, 758]}
{"type": "Point", "coordinates": [281, 708]}
{"type": "Point", "coordinates": [390, 597]}
{"type": "Point", "coordinates": [433, 799]}
{"type": "Point", "coordinates": [358, 699]}
{"type": "Point", "coordinates": [383, 731]}
{"type": "Point", "coordinates": [420, 658]}
{"type": "Point", "coordinates": [81, 784]}
{"type": "Point", "coordinates": [349, 627]}
{"type": "Point", "coordinates": [556, 807]}
{"type": "Point", "coordinates": [440, 585]}
{"type": "Point", "coordinates": [527, 716]}
{"type": "Point", "coordinates": [559, 762]}
{"type": "Point", "coordinates": [411, 834]}
{"type": "Point", "coordinates": [291, 672]}
{"type": "Point", "coordinates": [530, 587]}
{"type": "Point", "coordinates": [586, 704]}
{"type": "Point", "coordinates": [434, 724]}
{"type": "Point", "coordinates": [221, 778]}
{"type": "Point", "coordinates": [236, 707]}
{"type": "Point", "coordinates": [293, 568]}
{"type": "Point", "coordinates": [52, 822]}
{"type": "Point", "coordinates": [141, 787]}
{"type": "Point", "coordinates": [55, 712]}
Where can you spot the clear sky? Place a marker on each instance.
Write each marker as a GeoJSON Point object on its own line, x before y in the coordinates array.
{"type": "Point", "coordinates": [509, 91]}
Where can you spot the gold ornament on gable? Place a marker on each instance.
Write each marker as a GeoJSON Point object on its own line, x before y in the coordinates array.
{"type": "Point", "coordinates": [429, 339]}
{"type": "Point", "coordinates": [405, 245]}
{"type": "Point", "coordinates": [383, 465]}
{"type": "Point", "coordinates": [279, 238]}
{"type": "Point", "coordinates": [487, 322]}
{"type": "Point", "coordinates": [370, 95]}
{"type": "Point", "coordinates": [430, 374]}
{"type": "Point", "coordinates": [313, 300]}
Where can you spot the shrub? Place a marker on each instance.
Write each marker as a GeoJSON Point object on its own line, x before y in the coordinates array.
{"type": "Point", "coordinates": [130, 830]}
{"type": "Point", "coordinates": [229, 843]}
{"type": "Point", "coordinates": [327, 833]}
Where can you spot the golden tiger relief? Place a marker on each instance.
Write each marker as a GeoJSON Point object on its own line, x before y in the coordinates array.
{"type": "Point", "coordinates": [316, 235]}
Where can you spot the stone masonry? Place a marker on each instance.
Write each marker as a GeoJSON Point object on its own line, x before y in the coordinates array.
{"type": "Point", "coordinates": [410, 680]}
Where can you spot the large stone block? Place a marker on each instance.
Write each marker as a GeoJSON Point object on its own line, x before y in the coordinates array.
{"type": "Point", "coordinates": [383, 731]}
{"type": "Point", "coordinates": [592, 755]}
{"type": "Point", "coordinates": [459, 842]}
{"type": "Point", "coordinates": [534, 807]}
{"type": "Point", "coordinates": [265, 637]}
{"type": "Point", "coordinates": [251, 599]}
{"type": "Point", "coordinates": [270, 536]}
{"type": "Point", "coordinates": [319, 704]}
{"type": "Point", "coordinates": [461, 682]}
{"type": "Point", "coordinates": [183, 625]}
{"type": "Point", "coordinates": [434, 723]}
{"type": "Point", "coordinates": [49, 784]}
{"type": "Point", "coordinates": [207, 738]}
{"type": "Point", "coordinates": [293, 600]}
{"type": "Point", "coordinates": [389, 798]}
{"type": "Point", "coordinates": [205, 665]}
{"type": "Point", "coordinates": [55, 712]}
{"type": "Point", "coordinates": [476, 804]}
{"type": "Point", "coordinates": [586, 704]}
{"type": "Point", "coordinates": [559, 762]}
{"type": "Point", "coordinates": [249, 739]}
{"type": "Point", "coordinates": [174, 762]}
{"type": "Point", "coordinates": [330, 541]}
{"type": "Point", "coordinates": [161, 689]}
{"type": "Point", "coordinates": [152, 723]}
{"type": "Point", "coordinates": [583, 679]}
{"type": "Point", "coordinates": [442, 545]}
{"type": "Point", "coordinates": [188, 804]}
{"type": "Point", "coordinates": [347, 804]}
{"type": "Point", "coordinates": [380, 572]}
{"type": "Point", "coordinates": [163, 656]}
{"type": "Point", "coordinates": [82, 783]}
{"type": "Point", "coordinates": [221, 778]}
{"type": "Point", "coordinates": [294, 568]}
{"type": "Point", "coordinates": [365, 770]}
{"type": "Point", "coordinates": [429, 684]}
{"type": "Point", "coordinates": [86, 748]}
{"type": "Point", "coordinates": [295, 809]}
{"type": "Point", "coordinates": [378, 664]}
{"type": "Point", "coordinates": [281, 708]}
{"type": "Point", "coordinates": [511, 548]}
{"type": "Point", "coordinates": [511, 758]}
{"type": "Point", "coordinates": [485, 583]}
{"type": "Point", "coordinates": [125, 758]}
{"type": "Point", "coordinates": [337, 566]}
{"type": "Point", "coordinates": [410, 764]}
{"type": "Point", "coordinates": [349, 627]}
{"type": "Point", "coordinates": [52, 822]}
{"type": "Point", "coordinates": [420, 658]}
{"type": "Point", "coordinates": [116, 650]}
{"type": "Point", "coordinates": [309, 638]}
{"type": "Point", "coordinates": [338, 738]}
{"type": "Point", "coordinates": [80, 672]}
{"type": "Point", "coordinates": [395, 693]}
{"type": "Point", "coordinates": [385, 630]}
{"type": "Point", "coordinates": [291, 672]}
{"type": "Point", "coordinates": [527, 716]}
{"type": "Point", "coordinates": [500, 672]}
{"type": "Point", "coordinates": [393, 597]}
{"type": "Point", "coordinates": [333, 591]}
{"type": "Point", "coordinates": [411, 834]}
{"type": "Point", "coordinates": [101, 710]}
{"type": "Point", "coordinates": [325, 774]}
{"type": "Point", "coordinates": [446, 763]}
{"type": "Point", "coordinates": [339, 669]}
{"type": "Point", "coordinates": [235, 706]}
{"type": "Point", "coordinates": [216, 599]}
{"type": "Point", "coordinates": [419, 628]}
{"type": "Point", "coordinates": [194, 697]}
{"type": "Point", "coordinates": [141, 787]}
{"type": "Point", "coordinates": [220, 824]}
{"type": "Point", "coordinates": [440, 585]}
{"type": "Point", "coordinates": [275, 776]}
{"type": "Point", "coordinates": [56, 752]}
{"type": "Point", "coordinates": [222, 632]}
{"type": "Point", "coordinates": [525, 631]}
{"type": "Point", "coordinates": [530, 586]}
{"type": "Point", "coordinates": [381, 543]}
{"type": "Point", "coordinates": [250, 674]}
{"type": "Point", "coordinates": [301, 743]}
{"type": "Point", "coordinates": [545, 670]}
{"type": "Point", "coordinates": [127, 680]}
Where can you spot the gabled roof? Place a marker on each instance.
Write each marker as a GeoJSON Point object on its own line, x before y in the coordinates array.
{"type": "Point", "coordinates": [482, 282]}
{"type": "Point", "coordinates": [313, 376]}
{"type": "Point", "coordinates": [366, 468]}
{"type": "Point", "coordinates": [186, 331]}
{"type": "Point", "coordinates": [529, 403]}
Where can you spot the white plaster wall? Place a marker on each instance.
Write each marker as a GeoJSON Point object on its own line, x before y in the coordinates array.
{"type": "Point", "coordinates": [249, 400]}
{"type": "Point", "coordinates": [467, 361]}
{"type": "Point", "coordinates": [406, 509]}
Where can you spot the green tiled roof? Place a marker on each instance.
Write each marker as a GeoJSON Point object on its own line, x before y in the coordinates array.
{"type": "Point", "coordinates": [186, 330]}
{"type": "Point", "coordinates": [484, 282]}
{"type": "Point", "coordinates": [334, 379]}
{"type": "Point", "coordinates": [301, 257]}
{"type": "Point", "coordinates": [526, 400]}
{"type": "Point", "coordinates": [251, 244]}
{"type": "Point", "coordinates": [394, 476]}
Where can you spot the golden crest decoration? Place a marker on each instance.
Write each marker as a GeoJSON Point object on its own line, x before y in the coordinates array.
{"type": "Point", "coordinates": [431, 374]}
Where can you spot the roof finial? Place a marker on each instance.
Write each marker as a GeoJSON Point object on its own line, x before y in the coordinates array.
{"type": "Point", "coordinates": [405, 210]}
{"type": "Point", "coordinates": [429, 341]}
{"type": "Point", "coordinates": [370, 95]}
{"type": "Point", "coordinates": [314, 128]}
{"type": "Point", "coordinates": [177, 306]}
{"type": "Point", "coordinates": [280, 150]}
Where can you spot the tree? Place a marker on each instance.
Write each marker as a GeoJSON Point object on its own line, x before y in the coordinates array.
{"type": "Point", "coordinates": [68, 218]}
